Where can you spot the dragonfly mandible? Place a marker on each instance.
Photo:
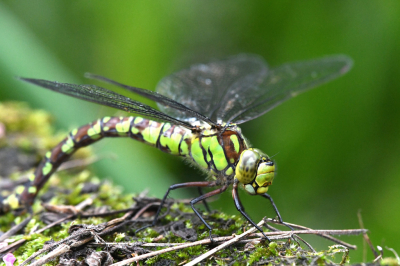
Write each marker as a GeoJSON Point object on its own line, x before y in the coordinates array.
{"type": "Point", "coordinates": [200, 110]}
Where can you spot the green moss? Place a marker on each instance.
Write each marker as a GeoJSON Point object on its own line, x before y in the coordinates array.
{"type": "Point", "coordinates": [30, 130]}
{"type": "Point", "coordinates": [390, 262]}
{"type": "Point", "coordinates": [23, 123]}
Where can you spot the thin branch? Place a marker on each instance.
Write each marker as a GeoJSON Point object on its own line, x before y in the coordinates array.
{"type": "Point", "coordinates": [224, 245]}
{"type": "Point", "coordinates": [52, 255]}
{"type": "Point", "coordinates": [15, 229]}
{"type": "Point", "coordinates": [305, 242]}
{"type": "Point", "coordinates": [316, 232]}
{"type": "Point", "coordinates": [366, 238]}
{"type": "Point", "coordinates": [16, 244]}
{"type": "Point", "coordinates": [333, 239]}
{"type": "Point", "coordinates": [109, 226]}
{"type": "Point", "coordinates": [395, 254]}
{"type": "Point", "coordinates": [229, 240]}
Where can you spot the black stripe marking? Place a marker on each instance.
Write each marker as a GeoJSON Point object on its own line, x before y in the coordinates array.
{"type": "Point", "coordinates": [180, 142]}
{"type": "Point", "coordinates": [132, 125]}
{"type": "Point", "coordinates": [158, 145]}
{"type": "Point", "coordinates": [212, 160]}
{"type": "Point", "coordinates": [204, 151]}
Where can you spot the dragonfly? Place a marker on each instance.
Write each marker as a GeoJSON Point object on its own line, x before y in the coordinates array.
{"type": "Point", "coordinates": [200, 110]}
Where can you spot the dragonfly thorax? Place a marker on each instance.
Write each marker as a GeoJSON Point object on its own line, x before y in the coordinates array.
{"type": "Point", "coordinates": [217, 151]}
{"type": "Point", "coordinates": [255, 171]}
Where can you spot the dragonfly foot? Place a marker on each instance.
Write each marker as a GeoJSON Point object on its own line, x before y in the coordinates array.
{"type": "Point", "coordinates": [211, 239]}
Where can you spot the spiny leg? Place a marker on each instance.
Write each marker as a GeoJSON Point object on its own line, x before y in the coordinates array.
{"type": "Point", "coordinates": [202, 198]}
{"type": "Point", "coordinates": [240, 208]}
{"type": "Point", "coordinates": [204, 201]}
{"type": "Point", "coordinates": [266, 195]}
{"type": "Point", "coordinates": [181, 185]}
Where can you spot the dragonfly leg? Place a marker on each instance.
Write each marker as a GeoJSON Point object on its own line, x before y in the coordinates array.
{"type": "Point", "coordinates": [202, 198]}
{"type": "Point", "coordinates": [204, 201]}
{"type": "Point", "coordinates": [176, 186]}
{"type": "Point", "coordinates": [240, 208]}
{"type": "Point", "coordinates": [266, 195]}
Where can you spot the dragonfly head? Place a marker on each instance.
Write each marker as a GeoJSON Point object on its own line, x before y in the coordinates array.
{"type": "Point", "coordinates": [255, 171]}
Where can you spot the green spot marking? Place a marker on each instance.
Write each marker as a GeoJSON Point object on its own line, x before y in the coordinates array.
{"type": "Point", "coordinates": [197, 153]}
{"type": "Point", "coordinates": [150, 133]}
{"type": "Point", "coordinates": [12, 200]}
{"type": "Point", "coordinates": [138, 120]}
{"type": "Point", "coordinates": [68, 146]}
{"type": "Point", "coordinates": [174, 141]}
{"type": "Point", "coordinates": [47, 168]}
{"type": "Point", "coordinates": [48, 154]}
{"type": "Point", "coordinates": [123, 125]}
{"type": "Point", "coordinates": [218, 154]}
{"type": "Point", "coordinates": [229, 171]}
{"type": "Point", "coordinates": [74, 131]}
{"type": "Point", "coordinates": [95, 130]}
{"type": "Point", "coordinates": [31, 177]}
{"type": "Point", "coordinates": [32, 190]}
{"type": "Point", "coordinates": [134, 130]}
{"type": "Point", "coordinates": [164, 141]}
{"type": "Point", "coordinates": [235, 142]}
{"type": "Point", "coordinates": [19, 189]}
{"type": "Point", "coordinates": [184, 148]}
{"type": "Point", "coordinates": [205, 142]}
{"type": "Point", "coordinates": [106, 119]}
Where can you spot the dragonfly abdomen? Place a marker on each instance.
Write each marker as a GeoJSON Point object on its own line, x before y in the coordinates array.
{"type": "Point", "coordinates": [168, 138]}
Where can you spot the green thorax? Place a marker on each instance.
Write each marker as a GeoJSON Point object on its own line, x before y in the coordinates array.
{"type": "Point", "coordinates": [217, 152]}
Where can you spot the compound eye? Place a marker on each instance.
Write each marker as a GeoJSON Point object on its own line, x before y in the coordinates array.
{"type": "Point", "coordinates": [246, 168]}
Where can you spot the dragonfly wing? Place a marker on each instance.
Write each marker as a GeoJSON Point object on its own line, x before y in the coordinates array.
{"type": "Point", "coordinates": [284, 82]}
{"type": "Point", "coordinates": [106, 97]}
{"type": "Point", "coordinates": [208, 88]}
{"type": "Point", "coordinates": [155, 96]}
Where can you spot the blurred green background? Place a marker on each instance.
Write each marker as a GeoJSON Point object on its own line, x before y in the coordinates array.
{"type": "Point", "coordinates": [337, 147]}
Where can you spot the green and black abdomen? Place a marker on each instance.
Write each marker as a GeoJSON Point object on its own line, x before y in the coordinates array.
{"type": "Point", "coordinates": [212, 150]}
{"type": "Point", "coordinates": [168, 138]}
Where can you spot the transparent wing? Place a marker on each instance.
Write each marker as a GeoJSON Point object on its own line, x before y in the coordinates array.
{"type": "Point", "coordinates": [285, 82]}
{"type": "Point", "coordinates": [155, 96]}
{"type": "Point", "coordinates": [208, 88]}
{"type": "Point", "coordinates": [242, 87]}
{"type": "Point", "coordinates": [106, 97]}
